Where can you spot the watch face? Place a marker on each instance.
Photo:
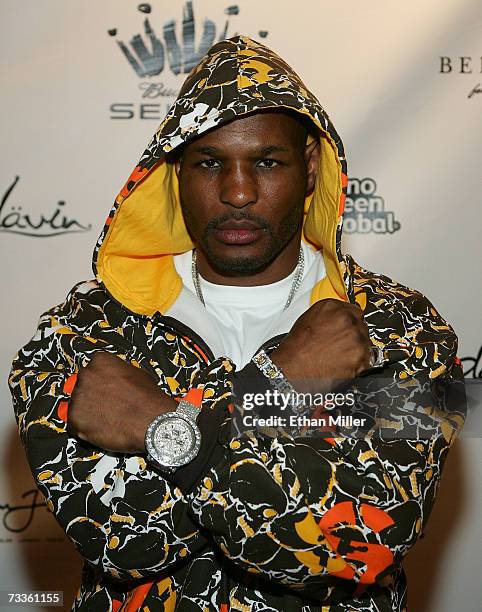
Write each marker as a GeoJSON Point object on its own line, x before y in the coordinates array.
{"type": "Point", "coordinates": [175, 439]}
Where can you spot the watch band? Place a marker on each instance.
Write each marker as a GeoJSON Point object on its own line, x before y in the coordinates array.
{"type": "Point", "coordinates": [278, 380]}
{"type": "Point", "coordinates": [190, 410]}
{"type": "Point", "coordinates": [377, 357]}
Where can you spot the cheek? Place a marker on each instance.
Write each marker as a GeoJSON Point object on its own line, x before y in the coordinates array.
{"type": "Point", "coordinates": [197, 203]}
{"type": "Point", "coordinates": [280, 198]}
{"type": "Point", "coordinates": [286, 183]}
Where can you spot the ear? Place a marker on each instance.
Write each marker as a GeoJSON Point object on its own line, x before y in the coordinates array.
{"type": "Point", "coordinates": [312, 161]}
{"type": "Point", "coordinates": [177, 166]}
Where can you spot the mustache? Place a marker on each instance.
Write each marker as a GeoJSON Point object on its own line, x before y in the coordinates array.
{"type": "Point", "coordinates": [239, 216]}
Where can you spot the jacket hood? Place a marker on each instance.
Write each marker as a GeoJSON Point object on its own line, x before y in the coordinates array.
{"type": "Point", "coordinates": [133, 257]}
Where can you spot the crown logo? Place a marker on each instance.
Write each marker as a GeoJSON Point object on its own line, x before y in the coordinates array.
{"type": "Point", "coordinates": [148, 54]}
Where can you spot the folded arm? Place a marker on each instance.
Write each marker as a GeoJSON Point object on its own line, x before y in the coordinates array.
{"type": "Point", "coordinates": [122, 515]}
{"type": "Point", "coordinates": [305, 512]}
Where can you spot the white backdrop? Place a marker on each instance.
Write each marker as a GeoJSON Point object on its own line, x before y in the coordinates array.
{"type": "Point", "coordinates": [402, 83]}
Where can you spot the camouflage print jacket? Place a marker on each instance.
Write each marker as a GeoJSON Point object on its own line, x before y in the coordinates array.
{"type": "Point", "coordinates": [254, 523]}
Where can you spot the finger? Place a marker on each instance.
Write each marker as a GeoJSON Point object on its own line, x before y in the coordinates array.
{"type": "Point", "coordinates": [364, 331]}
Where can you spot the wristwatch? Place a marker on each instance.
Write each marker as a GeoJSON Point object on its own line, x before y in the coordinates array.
{"type": "Point", "coordinates": [173, 438]}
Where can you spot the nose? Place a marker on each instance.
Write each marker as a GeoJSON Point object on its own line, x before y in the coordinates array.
{"type": "Point", "coordinates": [239, 186]}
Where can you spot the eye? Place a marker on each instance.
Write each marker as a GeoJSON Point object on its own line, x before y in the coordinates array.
{"type": "Point", "coordinates": [209, 163]}
{"type": "Point", "coordinates": [268, 163]}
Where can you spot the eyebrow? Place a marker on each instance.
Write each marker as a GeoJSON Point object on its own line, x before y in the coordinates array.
{"type": "Point", "coordinates": [263, 151]}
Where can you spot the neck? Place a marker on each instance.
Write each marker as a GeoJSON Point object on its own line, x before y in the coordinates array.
{"type": "Point", "coordinates": [281, 267]}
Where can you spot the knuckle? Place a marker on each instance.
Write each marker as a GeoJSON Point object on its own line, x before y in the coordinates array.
{"type": "Point", "coordinates": [346, 317]}
{"type": "Point", "coordinates": [325, 304]}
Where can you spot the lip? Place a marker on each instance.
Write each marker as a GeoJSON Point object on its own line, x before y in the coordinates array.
{"type": "Point", "coordinates": [242, 224]}
{"type": "Point", "coordinates": [238, 231]}
{"type": "Point", "coordinates": [238, 235]}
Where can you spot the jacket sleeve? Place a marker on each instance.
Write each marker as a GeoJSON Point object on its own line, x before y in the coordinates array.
{"type": "Point", "coordinates": [307, 511]}
{"type": "Point", "coordinates": [123, 517]}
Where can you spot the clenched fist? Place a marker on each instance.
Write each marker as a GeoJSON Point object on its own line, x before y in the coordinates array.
{"type": "Point", "coordinates": [328, 344]}
{"type": "Point", "coordinates": [113, 402]}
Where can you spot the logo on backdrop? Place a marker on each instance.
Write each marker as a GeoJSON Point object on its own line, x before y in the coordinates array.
{"type": "Point", "coordinates": [170, 50]}
{"type": "Point", "coordinates": [14, 220]}
{"type": "Point", "coordinates": [365, 210]}
{"type": "Point", "coordinates": [18, 520]}
{"type": "Point", "coordinates": [467, 65]}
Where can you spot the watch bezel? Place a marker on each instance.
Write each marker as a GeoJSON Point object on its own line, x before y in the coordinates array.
{"type": "Point", "coordinates": [156, 456]}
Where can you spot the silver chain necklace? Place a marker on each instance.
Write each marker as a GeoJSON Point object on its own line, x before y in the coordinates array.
{"type": "Point", "coordinates": [300, 266]}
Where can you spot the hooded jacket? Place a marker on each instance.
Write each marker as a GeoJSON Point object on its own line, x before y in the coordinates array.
{"type": "Point", "coordinates": [254, 523]}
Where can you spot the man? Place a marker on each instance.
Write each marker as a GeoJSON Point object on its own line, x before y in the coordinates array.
{"type": "Point", "coordinates": [219, 272]}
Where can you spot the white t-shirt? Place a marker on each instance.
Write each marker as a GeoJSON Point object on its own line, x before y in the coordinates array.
{"type": "Point", "coordinates": [236, 320]}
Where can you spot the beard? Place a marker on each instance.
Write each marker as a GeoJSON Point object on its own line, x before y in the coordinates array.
{"type": "Point", "coordinates": [238, 265]}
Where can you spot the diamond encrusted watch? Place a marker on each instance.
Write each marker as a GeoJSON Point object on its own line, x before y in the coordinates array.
{"type": "Point", "coordinates": [173, 438]}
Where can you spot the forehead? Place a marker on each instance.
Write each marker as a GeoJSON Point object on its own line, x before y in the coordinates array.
{"type": "Point", "coordinates": [257, 130]}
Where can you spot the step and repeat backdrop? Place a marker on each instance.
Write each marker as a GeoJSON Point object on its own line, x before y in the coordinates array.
{"type": "Point", "coordinates": [84, 85]}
